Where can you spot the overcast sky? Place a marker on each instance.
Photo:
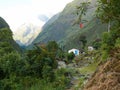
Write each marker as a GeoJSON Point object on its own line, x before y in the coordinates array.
{"type": "Point", "coordinates": [18, 12]}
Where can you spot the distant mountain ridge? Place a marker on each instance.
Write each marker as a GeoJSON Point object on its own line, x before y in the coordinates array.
{"type": "Point", "coordinates": [62, 30]}
{"type": "Point", "coordinates": [26, 33]}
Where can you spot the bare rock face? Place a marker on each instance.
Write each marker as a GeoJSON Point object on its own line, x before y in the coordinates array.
{"type": "Point", "coordinates": [107, 77]}
{"type": "Point", "coordinates": [61, 64]}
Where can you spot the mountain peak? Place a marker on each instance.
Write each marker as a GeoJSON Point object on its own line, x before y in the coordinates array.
{"type": "Point", "coordinates": [26, 33]}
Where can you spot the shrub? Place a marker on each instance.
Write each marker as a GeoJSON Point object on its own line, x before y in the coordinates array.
{"type": "Point", "coordinates": [110, 40]}
{"type": "Point", "coordinates": [70, 56]}
{"type": "Point", "coordinates": [117, 44]}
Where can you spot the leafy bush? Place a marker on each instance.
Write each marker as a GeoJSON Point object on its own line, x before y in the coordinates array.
{"type": "Point", "coordinates": [117, 44]}
{"type": "Point", "coordinates": [70, 56]}
{"type": "Point", "coordinates": [97, 44]}
{"type": "Point", "coordinates": [47, 73]}
{"type": "Point", "coordinates": [110, 40]}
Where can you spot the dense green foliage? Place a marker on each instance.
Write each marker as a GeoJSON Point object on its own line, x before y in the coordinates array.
{"type": "Point", "coordinates": [110, 39]}
{"type": "Point", "coordinates": [23, 71]}
{"type": "Point", "coordinates": [96, 43]}
{"type": "Point", "coordinates": [108, 11]}
{"type": "Point", "coordinates": [6, 35]}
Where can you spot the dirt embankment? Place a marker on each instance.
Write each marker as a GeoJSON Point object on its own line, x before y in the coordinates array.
{"type": "Point", "coordinates": [107, 77]}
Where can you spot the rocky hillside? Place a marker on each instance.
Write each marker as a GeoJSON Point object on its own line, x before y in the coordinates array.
{"type": "Point", "coordinates": [107, 77]}
{"type": "Point", "coordinates": [62, 29]}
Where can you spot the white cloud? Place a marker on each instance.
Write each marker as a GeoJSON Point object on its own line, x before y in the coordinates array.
{"type": "Point", "coordinates": [49, 6]}
{"type": "Point", "coordinates": [28, 13]}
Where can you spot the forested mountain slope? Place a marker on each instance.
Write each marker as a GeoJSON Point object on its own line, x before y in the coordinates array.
{"type": "Point", "coordinates": [64, 29]}
{"type": "Point", "coordinates": [6, 36]}
{"type": "Point", "coordinates": [3, 23]}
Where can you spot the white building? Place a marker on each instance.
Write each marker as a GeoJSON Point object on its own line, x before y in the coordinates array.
{"type": "Point", "coordinates": [75, 51]}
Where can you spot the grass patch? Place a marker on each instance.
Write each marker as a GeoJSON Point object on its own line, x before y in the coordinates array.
{"type": "Point", "coordinates": [88, 69]}
{"type": "Point", "coordinates": [46, 86]}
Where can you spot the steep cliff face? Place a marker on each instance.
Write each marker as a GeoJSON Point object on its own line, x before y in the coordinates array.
{"type": "Point", "coordinates": [6, 35]}
{"type": "Point", "coordinates": [107, 77]}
